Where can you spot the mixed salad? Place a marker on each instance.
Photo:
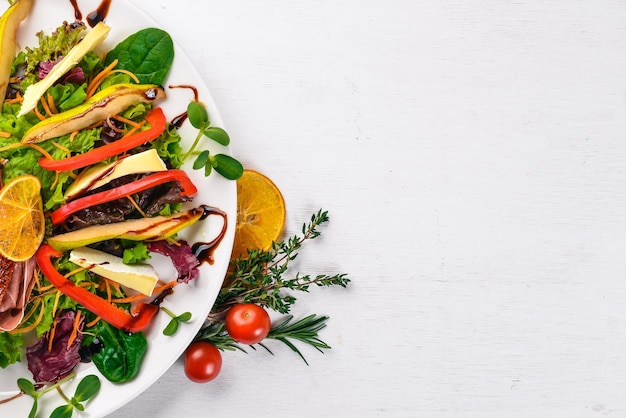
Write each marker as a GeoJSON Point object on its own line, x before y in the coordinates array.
{"type": "Point", "coordinates": [87, 124]}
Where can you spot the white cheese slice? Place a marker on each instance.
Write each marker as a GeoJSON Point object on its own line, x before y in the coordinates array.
{"type": "Point", "coordinates": [102, 173]}
{"type": "Point", "coordinates": [92, 39]}
{"type": "Point", "coordinates": [140, 277]}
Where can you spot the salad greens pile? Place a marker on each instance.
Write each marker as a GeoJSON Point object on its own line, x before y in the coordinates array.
{"type": "Point", "coordinates": [75, 314]}
{"type": "Point", "coordinates": [70, 94]}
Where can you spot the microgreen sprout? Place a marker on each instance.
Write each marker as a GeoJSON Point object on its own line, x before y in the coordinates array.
{"type": "Point", "coordinates": [171, 328]}
{"type": "Point", "coordinates": [87, 388]}
{"type": "Point", "coordinates": [224, 164]}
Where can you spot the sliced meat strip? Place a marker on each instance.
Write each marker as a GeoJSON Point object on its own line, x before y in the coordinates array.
{"type": "Point", "coordinates": [16, 295]}
{"type": "Point", "coordinates": [6, 274]}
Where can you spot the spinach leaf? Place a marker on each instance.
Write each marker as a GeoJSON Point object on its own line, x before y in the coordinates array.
{"type": "Point", "coordinates": [147, 53]}
{"type": "Point", "coordinates": [121, 354]}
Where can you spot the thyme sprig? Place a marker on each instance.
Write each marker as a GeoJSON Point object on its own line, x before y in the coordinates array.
{"type": "Point", "coordinates": [259, 278]}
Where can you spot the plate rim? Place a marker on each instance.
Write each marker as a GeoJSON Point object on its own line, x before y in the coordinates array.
{"type": "Point", "coordinates": [125, 393]}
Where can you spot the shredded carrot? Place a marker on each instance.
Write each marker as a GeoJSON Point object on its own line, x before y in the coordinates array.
{"type": "Point", "coordinates": [62, 148]}
{"type": "Point", "coordinates": [46, 108]}
{"type": "Point", "coordinates": [92, 323]}
{"type": "Point", "coordinates": [97, 80]}
{"type": "Point", "coordinates": [88, 284]}
{"type": "Point", "coordinates": [128, 121]}
{"type": "Point", "coordinates": [5, 135]}
{"type": "Point", "coordinates": [53, 331]}
{"type": "Point", "coordinates": [56, 302]}
{"type": "Point", "coordinates": [33, 146]}
{"type": "Point", "coordinates": [108, 289]}
{"type": "Point", "coordinates": [56, 180]}
{"type": "Point", "coordinates": [18, 99]}
{"type": "Point", "coordinates": [51, 104]}
{"type": "Point", "coordinates": [74, 329]}
{"type": "Point", "coordinates": [37, 283]}
{"type": "Point", "coordinates": [134, 129]}
{"type": "Point", "coordinates": [31, 312]}
{"type": "Point", "coordinates": [116, 287]}
{"type": "Point", "coordinates": [45, 288]}
{"type": "Point", "coordinates": [143, 214]}
{"type": "Point", "coordinates": [11, 146]}
{"type": "Point", "coordinates": [73, 135]}
{"type": "Point", "coordinates": [128, 73]}
{"type": "Point", "coordinates": [31, 326]}
{"type": "Point", "coordinates": [135, 298]}
{"type": "Point", "coordinates": [73, 272]}
{"type": "Point", "coordinates": [38, 113]}
{"type": "Point", "coordinates": [38, 148]}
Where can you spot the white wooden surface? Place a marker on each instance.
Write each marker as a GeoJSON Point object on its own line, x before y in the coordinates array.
{"type": "Point", "coordinates": [472, 156]}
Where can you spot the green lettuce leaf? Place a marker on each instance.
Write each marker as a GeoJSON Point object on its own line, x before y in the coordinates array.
{"type": "Point", "coordinates": [168, 147]}
{"type": "Point", "coordinates": [11, 346]}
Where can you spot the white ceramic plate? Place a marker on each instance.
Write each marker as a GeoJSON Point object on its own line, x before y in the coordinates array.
{"type": "Point", "coordinates": [196, 297]}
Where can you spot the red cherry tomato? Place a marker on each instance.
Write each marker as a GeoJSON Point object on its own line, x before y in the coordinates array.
{"type": "Point", "coordinates": [203, 362]}
{"type": "Point", "coordinates": [248, 323]}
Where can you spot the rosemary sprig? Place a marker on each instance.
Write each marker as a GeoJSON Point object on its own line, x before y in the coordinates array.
{"type": "Point", "coordinates": [259, 278]}
{"type": "Point", "coordinates": [215, 333]}
{"type": "Point", "coordinates": [304, 330]}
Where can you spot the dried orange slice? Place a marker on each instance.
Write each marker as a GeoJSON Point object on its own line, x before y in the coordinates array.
{"type": "Point", "coordinates": [260, 213]}
{"type": "Point", "coordinates": [22, 224]}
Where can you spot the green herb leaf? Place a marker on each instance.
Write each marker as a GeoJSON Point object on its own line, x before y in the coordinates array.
{"type": "Point", "coordinates": [304, 330]}
{"type": "Point", "coordinates": [33, 409]}
{"type": "Point", "coordinates": [120, 358]}
{"type": "Point", "coordinates": [197, 114]}
{"type": "Point", "coordinates": [184, 317]}
{"type": "Point", "coordinates": [201, 160]}
{"type": "Point", "coordinates": [87, 388]}
{"type": "Point", "coordinates": [76, 404]}
{"type": "Point", "coordinates": [63, 411]}
{"type": "Point", "coordinates": [260, 278]}
{"type": "Point", "coordinates": [227, 166]}
{"type": "Point", "coordinates": [148, 54]}
{"type": "Point", "coordinates": [218, 135]}
{"type": "Point", "coordinates": [27, 387]}
{"type": "Point", "coordinates": [171, 327]}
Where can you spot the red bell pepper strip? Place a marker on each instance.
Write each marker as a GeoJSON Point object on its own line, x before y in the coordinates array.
{"type": "Point", "coordinates": [152, 180]}
{"type": "Point", "coordinates": [115, 316]}
{"type": "Point", "coordinates": [157, 122]}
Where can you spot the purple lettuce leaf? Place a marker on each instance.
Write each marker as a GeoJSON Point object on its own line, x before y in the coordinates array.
{"type": "Point", "coordinates": [184, 260]}
{"type": "Point", "coordinates": [53, 365]}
